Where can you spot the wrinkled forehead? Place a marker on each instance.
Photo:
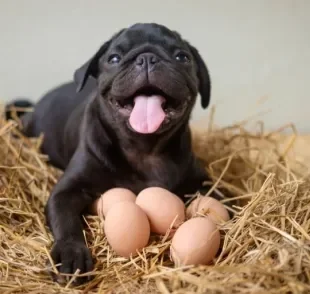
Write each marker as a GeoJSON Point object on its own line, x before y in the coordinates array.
{"type": "Point", "coordinates": [142, 34]}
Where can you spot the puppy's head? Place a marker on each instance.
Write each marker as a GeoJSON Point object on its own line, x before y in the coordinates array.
{"type": "Point", "coordinates": [148, 78]}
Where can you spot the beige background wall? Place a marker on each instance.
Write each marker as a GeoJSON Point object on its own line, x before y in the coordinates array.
{"type": "Point", "coordinates": [254, 48]}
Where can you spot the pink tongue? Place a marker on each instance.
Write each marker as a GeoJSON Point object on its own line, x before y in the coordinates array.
{"type": "Point", "coordinates": [147, 114]}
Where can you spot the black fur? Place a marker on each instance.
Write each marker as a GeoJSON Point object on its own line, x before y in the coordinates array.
{"type": "Point", "coordinates": [90, 139]}
{"type": "Point", "coordinates": [20, 105]}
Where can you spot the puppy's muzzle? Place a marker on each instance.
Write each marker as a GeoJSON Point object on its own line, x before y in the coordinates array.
{"type": "Point", "coordinates": [147, 61]}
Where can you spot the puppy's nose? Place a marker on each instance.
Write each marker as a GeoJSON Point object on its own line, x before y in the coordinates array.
{"type": "Point", "coordinates": [147, 60]}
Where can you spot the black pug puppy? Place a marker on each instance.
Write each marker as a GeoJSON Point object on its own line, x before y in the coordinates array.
{"type": "Point", "coordinates": [124, 122]}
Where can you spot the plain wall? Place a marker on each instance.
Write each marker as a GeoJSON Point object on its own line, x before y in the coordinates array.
{"type": "Point", "coordinates": [254, 49]}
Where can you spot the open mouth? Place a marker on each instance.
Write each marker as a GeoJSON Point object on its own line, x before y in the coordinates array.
{"type": "Point", "coordinates": [168, 103]}
{"type": "Point", "coordinates": [148, 109]}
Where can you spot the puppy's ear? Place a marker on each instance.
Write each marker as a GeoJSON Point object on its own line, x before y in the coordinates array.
{"type": "Point", "coordinates": [90, 68]}
{"type": "Point", "coordinates": [203, 76]}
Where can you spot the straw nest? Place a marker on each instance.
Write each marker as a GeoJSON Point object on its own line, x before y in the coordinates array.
{"type": "Point", "coordinates": [266, 246]}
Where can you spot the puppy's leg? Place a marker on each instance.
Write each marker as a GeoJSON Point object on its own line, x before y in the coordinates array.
{"type": "Point", "coordinates": [20, 105]}
{"type": "Point", "coordinates": [70, 197]}
{"type": "Point", "coordinates": [26, 118]}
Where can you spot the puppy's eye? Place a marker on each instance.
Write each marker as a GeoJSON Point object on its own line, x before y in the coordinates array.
{"type": "Point", "coordinates": [182, 57]}
{"type": "Point", "coordinates": [114, 58]}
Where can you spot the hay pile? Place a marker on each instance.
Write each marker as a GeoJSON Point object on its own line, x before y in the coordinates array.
{"type": "Point", "coordinates": [266, 246]}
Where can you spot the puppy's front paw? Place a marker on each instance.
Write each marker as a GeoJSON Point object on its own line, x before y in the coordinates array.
{"type": "Point", "coordinates": [70, 256]}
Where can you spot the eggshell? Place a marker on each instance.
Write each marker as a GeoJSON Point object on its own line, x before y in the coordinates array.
{"type": "Point", "coordinates": [162, 208]}
{"type": "Point", "coordinates": [195, 242]}
{"type": "Point", "coordinates": [208, 206]}
{"type": "Point", "coordinates": [127, 228]}
{"type": "Point", "coordinates": [111, 197]}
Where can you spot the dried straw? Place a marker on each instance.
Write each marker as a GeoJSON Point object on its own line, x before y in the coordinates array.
{"type": "Point", "coordinates": [266, 246]}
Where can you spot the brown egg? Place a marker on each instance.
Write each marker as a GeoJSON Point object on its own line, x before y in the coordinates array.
{"type": "Point", "coordinates": [208, 206]}
{"type": "Point", "coordinates": [127, 228]}
{"type": "Point", "coordinates": [109, 198]}
{"type": "Point", "coordinates": [195, 242]}
{"type": "Point", "coordinates": [162, 208]}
